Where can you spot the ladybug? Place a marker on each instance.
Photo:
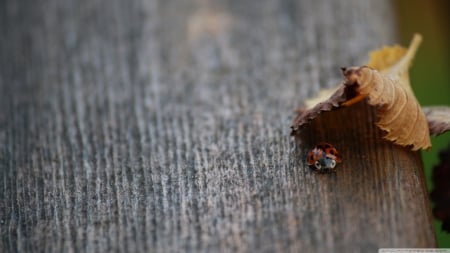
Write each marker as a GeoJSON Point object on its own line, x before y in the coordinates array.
{"type": "Point", "coordinates": [323, 157]}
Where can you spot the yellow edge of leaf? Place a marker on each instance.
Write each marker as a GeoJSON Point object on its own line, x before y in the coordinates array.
{"type": "Point", "coordinates": [394, 59]}
{"type": "Point", "coordinates": [404, 63]}
{"type": "Point", "coordinates": [386, 57]}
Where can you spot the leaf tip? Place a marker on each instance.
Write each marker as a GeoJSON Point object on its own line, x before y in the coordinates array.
{"type": "Point", "coordinates": [416, 40]}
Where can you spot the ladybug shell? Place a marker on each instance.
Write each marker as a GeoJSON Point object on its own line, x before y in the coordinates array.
{"type": "Point", "coordinates": [326, 155]}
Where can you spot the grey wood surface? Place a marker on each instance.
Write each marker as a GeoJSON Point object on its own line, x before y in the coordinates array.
{"type": "Point", "coordinates": [163, 126]}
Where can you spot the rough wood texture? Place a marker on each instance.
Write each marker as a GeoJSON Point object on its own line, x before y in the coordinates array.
{"type": "Point", "coordinates": [163, 126]}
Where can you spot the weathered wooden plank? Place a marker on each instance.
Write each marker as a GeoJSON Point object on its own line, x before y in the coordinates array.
{"type": "Point", "coordinates": [164, 126]}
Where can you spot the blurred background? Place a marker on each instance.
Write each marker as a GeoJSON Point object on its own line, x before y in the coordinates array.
{"type": "Point", "coordinates": [430, 75]}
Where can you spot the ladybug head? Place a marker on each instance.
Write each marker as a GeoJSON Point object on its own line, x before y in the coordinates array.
{"type": "Point", "coordinates": [325, 162]}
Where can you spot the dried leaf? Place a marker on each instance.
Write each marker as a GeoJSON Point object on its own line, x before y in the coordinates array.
{"type": "Point", "coordinates": [399, 113]}
{"type": "Point", "coordinates": [388, 89]}
{"type": "Point", "coordinates": [438, 119]}
{"type": "Point", "coordinates": [386, 57]}
{"type": "Point", "coordinates": [304, 116]}
{"type": "Point", "coordinates": [396, 61]}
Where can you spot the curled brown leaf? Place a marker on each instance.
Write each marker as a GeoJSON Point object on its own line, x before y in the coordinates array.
{"type": "Point", "coordinates": [387, 88]}
{"type": "Point", "coordinates": [399, 113]}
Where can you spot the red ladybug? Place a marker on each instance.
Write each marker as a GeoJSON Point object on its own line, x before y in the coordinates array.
{"type": "Point", "coordinates": [323, 157]}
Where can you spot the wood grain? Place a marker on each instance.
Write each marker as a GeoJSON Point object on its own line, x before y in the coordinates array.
{"type": "Point", "coordinates": [163, 126]}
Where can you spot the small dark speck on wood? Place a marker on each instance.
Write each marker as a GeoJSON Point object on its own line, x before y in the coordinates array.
{"type": "Point", "coordinates": [163, 126]}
